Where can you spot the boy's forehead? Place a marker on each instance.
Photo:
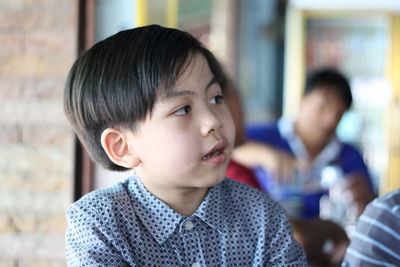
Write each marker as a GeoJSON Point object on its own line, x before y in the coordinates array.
{"type": "Point", "coordinates": [171, 79]}
{"type": "Point", "coordinates": [195, 68]}
{"type": "Point", "coordinates": [329, 95]}
{"type": "Point", "coordinates": [176, 91]}
{"type": "Point", "coordinates": [165, 93]}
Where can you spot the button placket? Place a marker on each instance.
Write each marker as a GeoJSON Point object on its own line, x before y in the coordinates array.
{"type": "Point", "coordinates": [190, 236]}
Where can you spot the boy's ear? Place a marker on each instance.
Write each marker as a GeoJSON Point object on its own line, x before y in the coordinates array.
{"type": "Point", "coordinates": [117, 146]}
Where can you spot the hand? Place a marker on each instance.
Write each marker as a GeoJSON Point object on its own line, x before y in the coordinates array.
{"type": "Point", "coordinates": [280, 164]}
{"type": "Point", "coordinates": [360, 191]}
{"type": "Point", "coordinates": [324, 242]}
{"type": "Point", "coordinates": [252, 154]}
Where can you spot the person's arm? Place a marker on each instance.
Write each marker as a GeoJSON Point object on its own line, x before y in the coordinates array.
{"type": "Point", "coordinates": [359, 181]}
{"type": "Point", "coordinates": [360, 191]}
{"type": "Point", "coordinates": [87, 243]}
{"type": "Point", "coordinates": [280, 164]}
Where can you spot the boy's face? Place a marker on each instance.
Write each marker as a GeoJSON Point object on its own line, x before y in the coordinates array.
{"type": "Point", "coordinates": [320, 113]}
{"type": "Point", "coordinates": [187, 140]}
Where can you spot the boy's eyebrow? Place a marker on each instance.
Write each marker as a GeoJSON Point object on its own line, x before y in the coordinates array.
{"type": "Point", "coordinates": [173, 94]}
{"type": "Point", "coordinates": [211, 82]}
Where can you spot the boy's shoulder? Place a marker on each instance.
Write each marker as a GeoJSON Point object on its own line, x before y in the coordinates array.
{"type": "Point", "coordinates": [236, 193]}
{"type": "Point", "coordinates": [240, 190]}
{"type": "Point", "coordinates": [120, 201]}
{"type": "Point", "coordinates": [244, 207]}
{"type": "Point", "coordinates": [102, 201]}
{"type": "Point", "coordinates": [119, 193]}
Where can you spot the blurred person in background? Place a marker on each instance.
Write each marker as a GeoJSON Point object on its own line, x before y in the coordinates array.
{"type": "Point", "coordinates": [290, 157]}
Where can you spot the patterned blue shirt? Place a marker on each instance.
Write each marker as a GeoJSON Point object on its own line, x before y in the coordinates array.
{"type": "Point", "coordinates": [376, 240]}
{"type": "Point", "coordinates": [126, 225]}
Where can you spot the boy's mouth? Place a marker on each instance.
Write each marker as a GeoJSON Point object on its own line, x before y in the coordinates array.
{"type": "Point", "coordinates": [213, 154]}
{"type": "Point", "coordinates": [217, 153]}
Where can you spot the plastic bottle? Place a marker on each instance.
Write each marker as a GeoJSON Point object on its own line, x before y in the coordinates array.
{"type": "Point", "coordinates": [337, 205]}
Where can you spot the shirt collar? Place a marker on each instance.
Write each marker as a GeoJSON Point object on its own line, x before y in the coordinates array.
{"type": "Point", "coordinates": [211, 209]}
{"type": "Point", "coordinates": [328, 154]}
{"type": "Point", "coordinates": [161, 220]}
{"type": "Point", "coordinates": [157, 217]}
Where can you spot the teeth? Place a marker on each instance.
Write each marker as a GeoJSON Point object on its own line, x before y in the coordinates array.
{"type": "Point", "coordinates": [215, 153]}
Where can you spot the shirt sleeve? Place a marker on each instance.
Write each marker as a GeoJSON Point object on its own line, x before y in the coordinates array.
{"type": "Point", "coordinates": [376, 239]}
{"type": "Point", "coordinates": [88, 241]}
{"type": "Point", "coordinates": [353, 162]}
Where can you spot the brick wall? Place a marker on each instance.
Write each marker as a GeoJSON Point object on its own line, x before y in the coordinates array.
{"type": "Point", "coordinates": [37, 47]}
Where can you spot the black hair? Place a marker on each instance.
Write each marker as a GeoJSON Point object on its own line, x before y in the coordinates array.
{"type": "Point", "coordinates": [329, 79]}
{"type": "Point", "coordinates": [116, 83]}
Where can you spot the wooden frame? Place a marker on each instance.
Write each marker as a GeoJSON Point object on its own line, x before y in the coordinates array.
{"type": "Point", "coordinates": [83, 165]}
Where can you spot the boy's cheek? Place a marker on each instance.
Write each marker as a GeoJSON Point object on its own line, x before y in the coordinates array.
{"type": "Point", "coordinates": [230, 131]}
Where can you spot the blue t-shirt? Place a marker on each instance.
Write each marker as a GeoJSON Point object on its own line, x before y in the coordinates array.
{"type": "Point", "coordinates": [280, 134]}
{"type": "Point", "coordinates": [126, 225]}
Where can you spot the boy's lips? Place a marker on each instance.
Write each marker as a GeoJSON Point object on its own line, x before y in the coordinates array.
{"type": "Point", "coordinates": [216, 154]}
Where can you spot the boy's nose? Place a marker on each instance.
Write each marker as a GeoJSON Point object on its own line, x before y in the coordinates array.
{"type": "Point", "coordinates": [210, 123]}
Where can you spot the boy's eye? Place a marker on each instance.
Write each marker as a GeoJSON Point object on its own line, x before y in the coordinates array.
{"type": "Point", "coordinates": [217, 99]}
{"type": "Point", "coordinates": [183, 110]}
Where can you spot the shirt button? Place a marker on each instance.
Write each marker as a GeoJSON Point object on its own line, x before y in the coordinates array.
{"type": "Point", "coordinates": [189, 226]}
{"type": "Point", "coordinates": [196, 264]}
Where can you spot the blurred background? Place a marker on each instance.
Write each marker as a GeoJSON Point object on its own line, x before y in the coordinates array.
{"type": "Point", "coordinates": [266, 47]}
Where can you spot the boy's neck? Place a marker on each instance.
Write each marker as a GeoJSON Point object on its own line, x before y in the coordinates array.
{"type": "Point", "coordinates": [187, 203]}
{"type": "Point", "coordinates": [183, 201]}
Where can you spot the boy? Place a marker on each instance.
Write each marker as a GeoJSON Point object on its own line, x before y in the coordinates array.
{"type": "Point", "coordinates": [150, 99]}
{"type": "Point", "coordinates": [309, 143]}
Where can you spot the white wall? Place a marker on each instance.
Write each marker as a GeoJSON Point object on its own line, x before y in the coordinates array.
{"type": "Point", "coordinates": [113, 16]}
{"type": "Point", "coordinates": [385, 5]}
